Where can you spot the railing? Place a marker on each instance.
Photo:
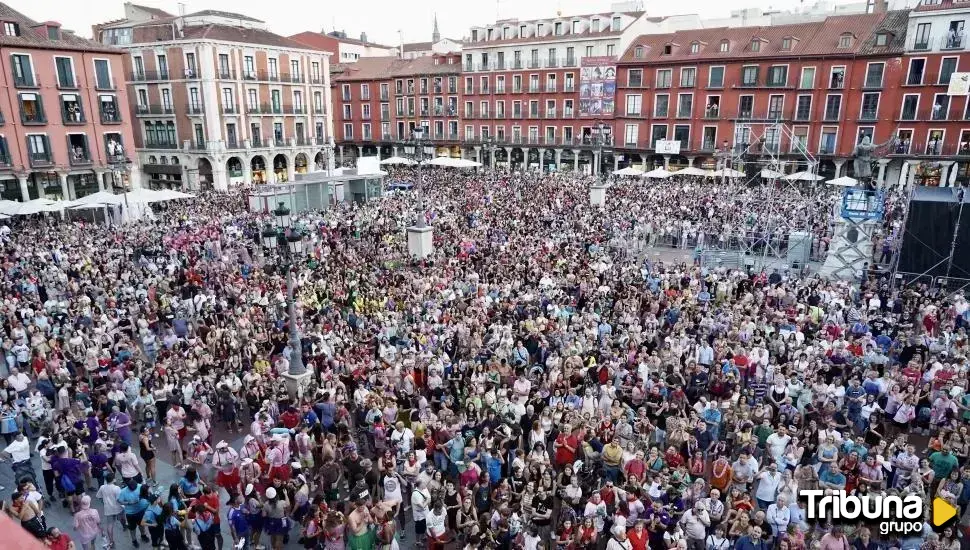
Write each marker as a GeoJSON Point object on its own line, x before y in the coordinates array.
{"type": "Point", "coordinates": [568, 88]}
{"type": "Point", "coordinates": [869, 114]}
{"type": "Point", "coordinates": [154, 110]}
{"type": "Point", "coordinates": [708, 146]}
{"type": "Point", "coordinates": [316, 79]}
{"type": "Point", "coordinates": [803, 114]}
{"type": "Point", "coordinates": [233, 144]}
{"type": "Point", "coordinates": [104, 87]}
{"type": "Point", "coordinates": [516, 114]}
{"type": "Point", "coordinates": [110, 117]}
{"type": "Point", "coordinates": [257, 141]}
{"type": "Point", "coordinates": [569, 62]}
{"type": "Point", "coordinates": [27, 81]}
{"type": "Point", "coordinates": [297, 78]}
{"type": "Point", "coordinates": [551, 114]}
{"type": "Point", "coordinates": [279, 142]}
{"type": "Point", "coordinates": [517, 64]}
{"type": "Point", "coordinates": [41, 159]}
{"type": "Point", "coordinates": [319, 140]}
{"type": "Point", "coordinates": [230, 109]}
{"type": "Point", "coordinates": [66, 84]}
{"type": "Point", "coordinates": [907, 114]}
{"type": "Point", "coordinates": [272, 108]}
{"type": "Point", "coordinates": [499, 114]}
{"type": "Point", "coordinates": [469, 67]}
{"type": "Point", "coordinates": [920, 43]}
{"type": "Point", "coordinates": [194, 109]}
{"type": "Point", "coordinates": [534, 89]}
{"type": "Point", "coordinates": [302, 140]}
{"type": "Point", "coordinates": [227, 74]}
{"type": "Point", "coordinates": [82, 159]}
{"type": "Point", "coordinates": [534, 64]}
{"type": "Point", "coordinates": [826, 149]}
{"type": "Point", "coordinates": [713, 113]}
{"type": "Point", "coordinates": [197, 145]}
{"type": "Point", "coordinates": [551, 88]}
{"type": "Point", "coordinates": [552, 63]}
{"type": "Point", "coordinates": [832, 115]}
{"type": "Point", "coordinates": [147, 76]}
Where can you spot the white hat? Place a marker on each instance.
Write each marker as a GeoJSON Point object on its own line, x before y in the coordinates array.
{"type": "Point", "coordinates": [271, 493]}
{"type": "Point", "coordinates": [249, 488]}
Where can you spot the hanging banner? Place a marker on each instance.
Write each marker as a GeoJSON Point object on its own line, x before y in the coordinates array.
{"type": "Point", "coordinates": [597, 86]}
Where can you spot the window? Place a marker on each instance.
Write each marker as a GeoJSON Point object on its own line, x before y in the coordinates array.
{"type": "Point", "coordinates": [11, 29]}
{"type": "Point", "coordinates": [664, 76]}
{"type": "Point", "coordinates": [348, 131]}
{"type": "Point", "coordinates": [910, 106]}
{"type": "Point", "coordinates": [916, 68]}
{"type": "Point", "coordinates": [65, 72]}
{"type": "Point", "coordinates": [594, 26]}
{"type": "Point", "coordinates": [249, 66]}
{"type": "Point", "coordinates": [776, 106]}
{"type": "Point", "coordinates": [870, 106]}
{"type": "Point", "coordinates": [874, 73]}
{"type": "Point", "coordinates": [162, 66]}
{"type": "Point", "coordinates": [695, 47]}
{"type": "Point", "coordinates": [778, 75]}
{"type": "Point", "coordinates": [833, 106]}
{"type": "Point", "coordinates": [827, 142]}
{"type": "Point", "coordinates": [635, 78]}
{"type": "Point", "coordinates": [589, 51]}
{"type": "Point", "coordinates": [661, 104]}
{"type": "Point", "coordinates": [71, 109]}
{"type": "Point", "coordinates": [31, 109]}
{"type": "Point", "coordinates": [39, 149]}
{"type": "Point", "coordinates": [745, 106]}
{"type": "Point", "coordinates": [845, 41]}
{"type": "Point", "coordinates": [837, 78]}
{"type": "Point", "coordinates": [724, 46]}
{"type": "Point", "coordinates": [252, 100]}
{"type": "Point", "coordinates": [882, 39]}
{"type": "Point", "coordinates": [23, 71]}
{"type": "Point", "coordinates": [166, 99]}
{"type": "Point", "coordinates": [295, 70]}
{"type": "Point", "coordinates": [616, 24]}
{"type": "Point", "coordinates": [227, 101]}
{"type": "Point", "coordinates": [921, 41]}
{"type": "Point", "coordinates": [941, 107]}
{"type": "Point", "coordinates": [713, 108]}
{"type": "Point", "coordinates": [803, 107]}
{"type": "Point", "coordinates": [685, 104]}
{"type": "Point", "coordinates": [348, 111]}
{"type": "Point", "coordinates": [687, 77]}
{"type": "Point", "coordinates": [749, 76]}
{"type": "Point", "coordinates": [756, 45]}
{"type": "Point", "coordinates": [948, 66]}
{"type": "Point", "coordinates": [799, 140]}
{"type": "Point", "coordinates": [715, 77]}
{"type": "Point", "coordinates": [610, 49]}
{"type": "Point", "coordinates": [954, 35]}
{"type": "Point", "coordinates": [934, 142]}
{"type": "Point", "coordinates": [808, 78]}
{"type": "Point", "coordinates": [365, 92]}
{"type": "Point", "coordinates": [102, 74]}
{"type": "Point", "coordinates": [345, 92]}
{"type": "Point", "coordinates": [658, 133]}
{"type": "Point", "coordinates": [668, 49]}
{"type": "Point", "coordinates": [274, 70]}
{"type": "Point", "coordinates": [633, 104]}
{"type": "Point", "coordinates": [786, 44]}
{"type": "Point", "coordinates": [630, 134]}
{"type": "Point", "coordinates": [139, 67]}
{"type": "Point", "coordinates": [224, 66]}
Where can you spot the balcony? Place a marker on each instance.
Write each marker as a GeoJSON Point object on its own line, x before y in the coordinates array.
{"type": "Point", "coordinates": [319, 110]}
{"type": "Point", "coordinates": [775, 114]}
{"type": "Point", "coordinates": [5, 162]}
{"type": "Point", "coordinates": [149, 76]}
{"type": "Point", "coordinates": [708, 145]}
{"type": "Point", "coordinates": [744, 115]}
{"type": "Point", "coordinates": [257, 141]}
{"type": "Point", "coordinates": [568, 88]}
{"type": "Point", "coordinates": [192, 73]}
{"type": "Point", "coordinates": [27, 81]}
{"type": "Point", "coordinates": [550, 88]}
{"type": "Point", "coordinates": [197, 145]}
{"type": "Point", "coordinates": [110, 114]}
{"type": "Point", "coordinates": [907, 114]}
{"type": "Point", "coordinates": [802, 115]}
{"type": "Point", "coordinates": [551, 113]}
{"type": "Point", "coordinates": [534, 64]}
{"type": "Point", "coordinates": [712, 113]}
{"type": "Point", "coordinates": [79, 156]}
{"type": "Point", "coordinates": [939, 114]}
{"type": "Point", "coordinates": [920, 43]}
{"type": "Point", "coordinates": [552, 63]}
{"type": "Point", "coordinates": [533, 114]}
{"type": "Point", "coordinates": [230, 109]}
{"type": "Point", "coordinates": [517, 89]}
{"type": "Point", "coordinates": [827, 148]}
{"type": "Point", "coordinates": [469, 67]}
{"type": "Point", "coordinates": [516, 114]}
{"type": "Point", "coordinates": [316, 79]}
{"type": "Point", "coordinates": [72, 113]}
{"type": "Point", "coordinates": [302, 141]}
{"type": "Point", "coordinates": [279, 142]}
{"type": "Point", "coordinates": [233, 143]}
{"type": "Point", "coordinates": [271, 109]}
{"type": "Point", "coordinates": [869, 114]}
{"type": "Point", "coordinates": [517, 65]}
{"type": "Point", "coordinates": [500, 114]}
{"type": "Point", "coordinates": [41, 160]}
{"type": "Point", "coordinates": [569, 62]}
{"type": "Point", "coordinates": [296, 78]}
{"type": "Point", "coordinates": [227, 74]}
{"type": "Point", "coordinates": [534, 89]}
{"type": "Point", "coordinates": [194, 109]}
{"type": "Point", "coordinates": [154, 109]}
{"type": "Point", "coordinates": [832, 115]}
{"type": "Point", "coordinates": [569, 113]}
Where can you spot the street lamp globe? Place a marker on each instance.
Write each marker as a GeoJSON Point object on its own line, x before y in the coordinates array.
{"type": "Point", "coordinates": [269, 237]}
{"type": "Point", "coordinates": [283, 214]}
{"type": "Point", "coordinates": [294, 239]}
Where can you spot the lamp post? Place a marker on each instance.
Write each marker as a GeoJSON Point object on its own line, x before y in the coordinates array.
{"type": "Point", "coordinates": [490, 147]}
{"type": "Point", "coordinates": [284, 243]}
{"type": "Point", "coordinates": [120, 166]}
{"type": "Point", "coordinates": [420, 237]}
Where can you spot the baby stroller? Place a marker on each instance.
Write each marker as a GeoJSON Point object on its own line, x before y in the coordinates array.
{"type": "Point", "coordinates": [39, 413]}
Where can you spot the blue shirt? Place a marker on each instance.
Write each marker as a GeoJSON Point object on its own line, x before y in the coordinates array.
{"type": "Point", "coordinates": [132, 501]}
{"type": "Point", "coordinates": [153, 513]}
{"type": "Point", "coordinates": [188, 488]}
{"type": "Point", "coordinates": [831, 476]}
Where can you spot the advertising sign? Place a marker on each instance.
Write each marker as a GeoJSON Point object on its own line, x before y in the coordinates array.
{"type": "Point", "coordinates": [597, 86]}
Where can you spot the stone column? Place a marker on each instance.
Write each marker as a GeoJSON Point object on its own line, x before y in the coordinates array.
{"type": "Point", "coordinates": [666, 162]}
{"type": "Point", "coordinates": [912, 174]}
{"type": "Point", "coordinates": [616, 162]}
{"type": "Point", "coordinates": [690, 161]}
{"type": "Point", "coordinates": [395, 151]}
{"type": "Point", "coordinates": [290, 171]}
{"type": "Point", "coordinates": [558, 158]}
{"type": "Point", "coordinates": [839, 163]}
{"type": "Point", "coordinates": [597, 161]}
{"type": "Point", "coordinates": [643, 162]}
{"type": "Point", "coordinates": [525, 160]}
{"type": "Point", "coordinates": [340, 156]}
{"type": "Point", "coordinates": [945, 172]}
{"type": "Point", "coordinates": [881, 177]}
{"type": "Point", "coordinates": [360, 151]}
{"type": "Point", "coordinates": [542, 160]}
{"type": "Point", "coordinates": [478, 154]}
{"type": "Point", "coordinates": [65, 186]}
{"type": "Point", "coordinates": [491, 158]}
{"type": "Point", "coordinates": [40, 191]}
{"type": "Point", "coordinates": [248, 172]}
{"type": "Point", "coordinates": [24, 190]}
{"type": "Point", "coordinates": [576, 160]}
{"type": "Point", "coordinates": [508, 158]}
{"type": "Point", "coordinates": [99, 175]}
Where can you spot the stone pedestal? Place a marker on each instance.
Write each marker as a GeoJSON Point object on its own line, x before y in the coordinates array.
{"type": "Point", "coordinates": [597, 195]}
{"type": "Point", "coordinates": [420, 241]}
{"type": "Point", "coordinates": [296, 384]}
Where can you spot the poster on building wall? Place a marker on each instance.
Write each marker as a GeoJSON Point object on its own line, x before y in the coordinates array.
{"type": "Point", "coordinates": [597, 86]}
{"type": "Point", "coordinates": [959, 84]}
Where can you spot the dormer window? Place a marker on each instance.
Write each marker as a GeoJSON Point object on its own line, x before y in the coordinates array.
{"type": "Point", "coordinates": [638, 52]}
{"type": "Point", "coordinates": [539, 29]}
{"type": "Point", "coordinates": [756, 45]}
{"type": "Point", "coordinates": [668, 49]}
{"type": "Point", "coordinates": [474, 35]}
{"type": "Point", "coordinates": [11, 28]}
{"type": "Point", "coordinates": [53, 33]}
{"type": "Point", "coordinates": [725, 45]}
{"type": "Point", "coordinates": [786, 44]}
{"type": "Point", "coordinates": [695, 47]}
{"type": "Point", "coordinates": [595, 26]}
{"type": "Point", "coordinates": [845, 41]}
{"type": "Point", "coordinates": [882, 39]}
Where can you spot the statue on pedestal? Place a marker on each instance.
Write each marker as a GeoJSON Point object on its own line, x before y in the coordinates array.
{"type": "Point", "coordinates": [864, 154]}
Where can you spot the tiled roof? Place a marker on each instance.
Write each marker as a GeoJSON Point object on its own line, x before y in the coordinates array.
{"type": "Point", "coordinates": [894, 25]}
{"type": "Point", "coordinates": [29, 38]}
{"type": "Point", "coordinates": [316, 41]}
{"type": "Point", "coordinates": [378, 68]}
{"type": "Point", "coordinates": [585, 34]}
{"type": "Point", "coordinates": [229, 33]}
{"type": "Point", "coordinates": [515, 22]}
{"type": "Point", "coordinates": [154, 11]}
{"type": "Point", "coordinates": [936, 5]}
{"type": "Point", "coordinates": [417, 46]}
{"type": "Point", "coordinates": [226, 14]}
{"type": "Point", "coordinates": [808, 39]}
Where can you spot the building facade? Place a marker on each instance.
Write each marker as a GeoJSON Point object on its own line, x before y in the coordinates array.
{"type": "Point", "coordinates": [220, 100]}
{"type": "Point", "coordinates": [64, 127]}
{"type": "Point", "coordinates": [379, 101]}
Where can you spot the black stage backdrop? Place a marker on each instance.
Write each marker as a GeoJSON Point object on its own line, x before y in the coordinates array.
{"type": "Point", "coordinates": [929, 235]}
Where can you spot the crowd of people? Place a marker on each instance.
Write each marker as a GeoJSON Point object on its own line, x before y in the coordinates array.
{"type": "Point", "coordinates": [528, 385]}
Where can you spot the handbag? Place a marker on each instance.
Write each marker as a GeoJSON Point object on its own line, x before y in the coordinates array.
{"type": "Point", "coordinates": [67, 484]}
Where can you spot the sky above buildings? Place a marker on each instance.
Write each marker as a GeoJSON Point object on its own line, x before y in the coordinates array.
{"type": "Point", "coordinates": [380, 19]}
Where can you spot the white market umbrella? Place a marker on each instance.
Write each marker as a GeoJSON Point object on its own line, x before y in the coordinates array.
{"type": "Point", "coordinates": [398, 160]}
{"type": "Point", "coordinates": [769, 174]}
{"type": "Point", "coordinates": [7, 207]}
{"type": "Point", "coordinates": [844, 181]}
{"type": "Point", "coordinates": [37, 206]}
{"type": "Point", "coordinates": [100, 198]}
{"type": "Point", "coordinates": [449, 162]}
{"type": "Point", "coordinates": [4, 217]}
{"type": "Point", "coordinates": [658, 173]}
{"type": "Point", "coordinates": [727, 173]}
{"type": "Point", "coordinates": [171, 194]}
{"type": "Point", "coordinates": [803, 176]}
{"type": "Point", "coordinates": [691, 171]}
{"type": "Point", "coordinates": [629, 171]}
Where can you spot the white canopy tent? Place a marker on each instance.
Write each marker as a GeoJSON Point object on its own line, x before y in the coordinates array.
{"type": "Point", "coordinates": [844, 181]}
{"type": "Point", "coordinates": [803, 176]}
{"type": "Point", "coordinates": [727, 173]}
{"type": "Point", "coordinates": [658, 173]}
{"type": "Point", "coordinates": [691, 171]}
{"type": "Point", "coordinates": [769, 174]}
{"type": "Point", "coordinates": [100, 198]}
{"type": "Point", "coordinates": [8, 206]}
{"type": "Point", "coordinates": [35, 206]}
{"type": "Point", "coordinates": [397, 161]}
{"type": "Point", "coordinates": [629, 171]}
{"type": "Point", "coordinates": [450, 162]}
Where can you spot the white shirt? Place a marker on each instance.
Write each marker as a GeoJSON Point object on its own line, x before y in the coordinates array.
{"type": "Point", "coordinates": [108, 493]}
{"type": "Point", "coordinates": [768, 486]}
{"type": "Point", "coordinates": [436, 523]}
{"type": "Point", "coordinates": [19, 381]}
{"type": "Point", "coordinates": [420, 499]}
{"type": "Point", "coordinates": [617, 545]}
{"type": "Point", "coordinates": [19, 450]}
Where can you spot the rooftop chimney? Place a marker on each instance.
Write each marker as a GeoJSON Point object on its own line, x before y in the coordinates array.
{"type": "Point", "coordinates": [363, 37]}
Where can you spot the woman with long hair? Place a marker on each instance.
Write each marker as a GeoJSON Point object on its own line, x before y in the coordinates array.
{"type": "Point", "coordinates": [172, 522]}
{"type": "Point", "coordinates": [147, 451]}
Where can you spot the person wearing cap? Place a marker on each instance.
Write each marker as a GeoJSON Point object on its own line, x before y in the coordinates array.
{"type": "Point", "coordinates": [225, 460]}
{"type": "Point", "coordinates": [275, 511]}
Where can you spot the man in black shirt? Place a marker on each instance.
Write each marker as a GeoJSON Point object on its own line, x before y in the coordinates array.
{"type": "Point", "coordinates": [542, 518]}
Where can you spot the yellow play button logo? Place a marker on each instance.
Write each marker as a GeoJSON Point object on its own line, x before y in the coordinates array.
{"type": "Point", "coordinates": [943, 512]}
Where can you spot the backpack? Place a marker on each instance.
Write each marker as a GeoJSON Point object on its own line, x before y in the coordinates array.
{"type": "Point", "coordinates": [67, 484]}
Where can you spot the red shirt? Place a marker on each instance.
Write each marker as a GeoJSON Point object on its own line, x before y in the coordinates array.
{"type": "Point", "coordinates": [563, 455]}
{"type": "Point", "coordinates": [290, 419]}
{"type": "Point", "coordinates": [211, 500]}
{"type": "Point", "coordinates": [638, 542]}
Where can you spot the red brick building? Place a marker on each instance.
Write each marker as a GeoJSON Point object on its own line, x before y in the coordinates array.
{"type": "Point", "coordinates": [378, 101]}
{"type": "Point", "coordinates": [814, 88]}
{"type": "Point", "coordinates": [65, 131]}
